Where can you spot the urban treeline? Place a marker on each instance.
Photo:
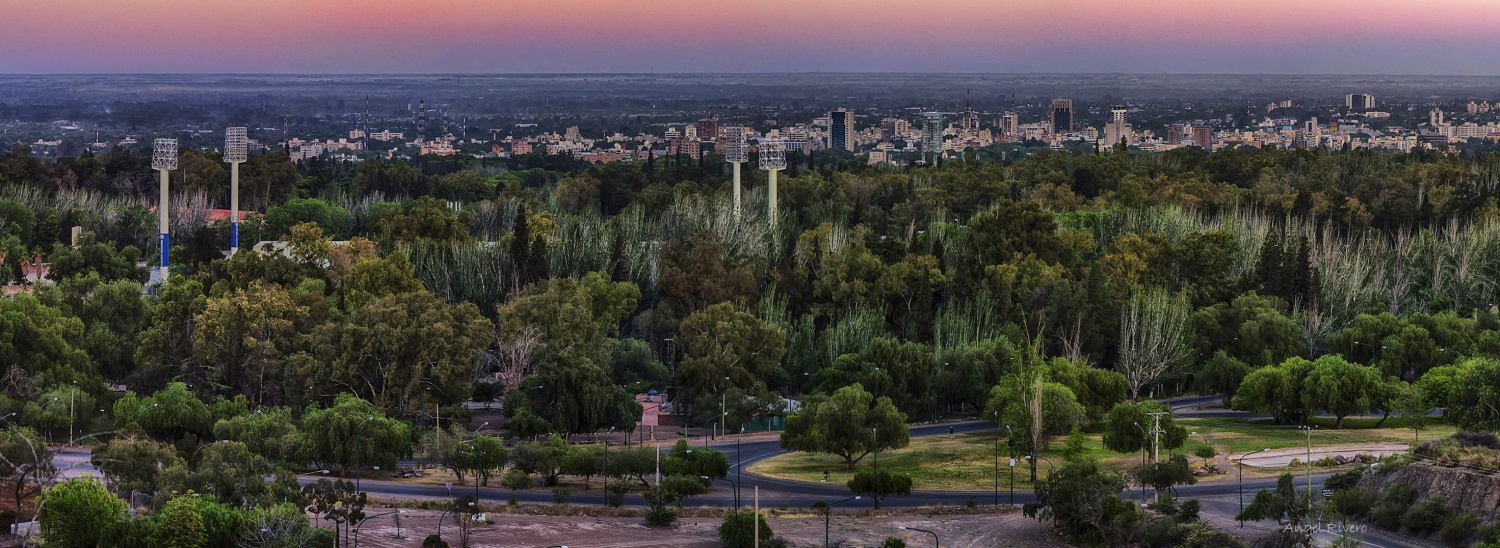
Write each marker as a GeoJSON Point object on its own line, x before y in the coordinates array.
{"type": "Point", "coordinates": [1293, 282]}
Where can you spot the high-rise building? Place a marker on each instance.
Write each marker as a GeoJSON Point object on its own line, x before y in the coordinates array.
{"type": "Point", "coordinates": [1010, 127]}
{"type": "Point", "coordinates": [1359, 101]}
{"type": "Point", "coordinates": [932, 133]}
{"type": "Point", "coordinates": [970, 120]}
{"type": "Point", "coordinates": [1435, 118]}
{"type": "Point", "coordinates": [892, 128]}
{"type": "Point", "coordinates": [1117, 130]}
{"type": "Point", "coordinates": [1062, 115]}
{"type": "Point", "coordinates": [708, 128]}
{"type": "Point", "coordinates": [1175, 133]}
{"type": "Point", "coordinates": [1203, 136]}
{"type": "Point", "coordinates": [841, 129]}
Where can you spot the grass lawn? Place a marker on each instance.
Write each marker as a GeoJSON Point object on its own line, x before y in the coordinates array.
{"type": "Point", "coordinates": [966, 462]}
{"type": "Point", "coordinates": [1239, 436]}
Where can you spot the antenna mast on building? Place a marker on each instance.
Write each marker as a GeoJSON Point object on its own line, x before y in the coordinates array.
{"type": "Point", "coordinates": [164, 160]}
{"type": "Point", "coordinates": [772, 159]}
{"type": "Point", "coordinates": [422, 121]}
{"type": "Point", "coordinates": [236, 141]}
{"type": "Point", "coordinates": [734, 153]}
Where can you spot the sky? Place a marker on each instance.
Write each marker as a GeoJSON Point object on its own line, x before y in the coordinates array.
{"type": "Point", "coordinates": [1439, 37]}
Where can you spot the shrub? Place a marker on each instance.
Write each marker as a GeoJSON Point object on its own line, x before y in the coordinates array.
{"type": "Point", "coordinates": [614, 492]}
{"type": "Point", "coordinates": [659, 510]}
{"type": "Point", "coordinates": [560, 494]}
{"type": "Point", "coordinates": [892, 542]}
{"type": "Point", "coordinates": [1393, 505]}
{"type": "Point", "coordinates": [434, 541]}
{"type": "Point", "coordinates": [1427, 516]}
{"type": "Point", "coordinates": [1354, 503]}
{"type": "Point", "coordinates": [738, 529]}
{"type": "Point", "coordinates": [1459, 529]}
{"type": "Point", "coordinates": [1478, 439]}
{"type": "Point", "coordinates": [1345, 480]}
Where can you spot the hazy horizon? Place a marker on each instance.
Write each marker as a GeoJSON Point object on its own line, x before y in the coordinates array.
{"type": "Point", "coordinates": [401, 37]}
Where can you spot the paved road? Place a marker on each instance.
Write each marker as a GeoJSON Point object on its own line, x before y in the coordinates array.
{"type": "Point", "coordinates": [793, 494]}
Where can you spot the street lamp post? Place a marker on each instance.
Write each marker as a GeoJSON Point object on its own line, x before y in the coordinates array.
{"type": "Point", "coordinates": [997, 467]}
{"type": "Point", "coordinates": [828, 516]}
{"type": "Point", "coordinates": [935, 542]}
{"type": "Point", "coordinates": [1241, 462]}
{"type": "Point", "coordinates": [739, 467]}
{"type": "Point", "coordinates": [1008, 433]}
{"type": "Point", "coordinates": [732, 485]}
{"type": "Point", "coordinates": [356, 451]}
{"type": "Point", "coordinates": [875, 442]}
{"type": "Point", "coordinates": [200, 448]}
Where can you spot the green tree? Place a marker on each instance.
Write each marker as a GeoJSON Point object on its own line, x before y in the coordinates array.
{"type": "Point", "coordinates": [1340, 387]}
{"type": "Point", "coordinates": [93, 257]}
{"type": "Point", "coordinates": [1123, 435]}
{"type": "Point", "coordinates": [168, 348]}
{"type": "Point", "coordinates": [724, 349]}
{"type": "Point", "coordinates": [1098, 390]}
{"type": "Point", "coordinates": [182, 526]}
{"type": "Point", "coordinates": [228, 471]}
{"type": "Point", "coordinates": [850, 423]}
{"type": "Point", "coordinates": [544, 458]}
{"type": "Point", "coordinates": [1083, 499]}
{"type": "Point", "coordinates": [879, 484]}
{"type": "Point", "coordinates": [740, 528]}
{"type": "Point", "coordinates": [969, 371]}
{"type": "Point", "coordinates": [1205, 262]}
{"type": "Point", "coordinates": [464, 186]}
{"type": "Point", "coordinates": [403, 352]}
{"type": "Point", "coordinates": [659, 505]}
{"type": "Point", "coordinates": [268, 432]}
{"type": "Point", "coordinates": [1011, 403]}
{"type": "Point", "coordinates": [371, 278]}
{"type": "Point", "coordinates": [76, 513]}
{"type": "Point", "coordinates": [132, 463]}
{"type": "Point", "coordinates": [39, 340]}
{"type": "Point", "coordinates": [695, 462]}
{"type": "Point", "coordinates": [1287, 506]}
{"type": "Point", "coordinates": [244, 336]}
{"type": "Point", "coordinates": [1275, 390]}
{"type": "Point", "coordinates": [1252, 329]}
{"type": "Point", "coordinates": [174, 412]}
{"type": "Point", "coordinates": [572, 388]}
{"type": "Point", "coordinates": [113, 315]}
{"type": "Point", "coordinates": [515, 480]}
{"type": "Point", "coordinates": [482, 456]}
{"type": "Point", "coordinates": [279, 526]}
{"type": "Point", "coordinates": [1165, 476]}
{"type": "Point", "coordinates": [339, 502]}
{"type": "Point", "coordinates": [280, 219]}
{"type": "Point", "coordinates": [585, 461]}
{"type": "Point", "coordinates": [352, 433]}
{"type": "Point", "coordinates": [425, 220]}
{"type": "Point", "coordinates": [1477, 389]}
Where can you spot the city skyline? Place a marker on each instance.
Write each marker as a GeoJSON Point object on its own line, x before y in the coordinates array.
{"type": "Point", "coordinates": [1445, 37]}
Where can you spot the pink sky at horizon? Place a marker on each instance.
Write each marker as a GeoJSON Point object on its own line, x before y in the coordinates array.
{"type": "Point", "coordinates": [403, 36]}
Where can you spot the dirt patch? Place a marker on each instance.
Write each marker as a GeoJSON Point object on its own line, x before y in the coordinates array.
{"type": "Point", "coordinates": [959, 530]}
{"type": "Point", "coordinates": [8, 510]}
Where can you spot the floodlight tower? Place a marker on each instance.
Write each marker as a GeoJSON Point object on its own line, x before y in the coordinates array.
{"type": "Point", "coordinates": [734, 153]}
{"type": "Point", "coordinates": [236, 140]}
{"type": "Point", "coordinates": [164, 159]}
{"type": "Point", "coordinates": [772, 159]}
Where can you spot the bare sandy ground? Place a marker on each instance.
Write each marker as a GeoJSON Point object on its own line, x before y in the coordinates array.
{"type": "Point", "coordinates": [1283, 457]}
{"type": "Point", "coordinates": [959, 530]}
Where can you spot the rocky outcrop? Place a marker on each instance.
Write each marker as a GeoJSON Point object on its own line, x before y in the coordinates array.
{"type": "Point", "coordinates": [1464, 488]}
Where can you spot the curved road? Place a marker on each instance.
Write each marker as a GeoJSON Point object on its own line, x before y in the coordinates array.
{"type": "Point", "coordinates": [775, 493]}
